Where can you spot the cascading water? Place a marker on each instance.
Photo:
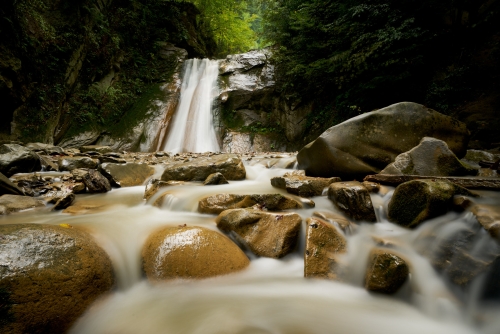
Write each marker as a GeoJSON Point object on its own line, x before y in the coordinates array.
{"type": "Point", "coordinates": [192, 129]}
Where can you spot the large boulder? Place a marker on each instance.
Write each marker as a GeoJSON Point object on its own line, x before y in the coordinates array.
{"type": "Point", "coordinates": [265, 234]}
{"type": "Point", "coordinates": [49, 275]}
{"type": "Point", "coordinates": [418, 200]}
{"type": "Point", "coordinates": [96, 182]}
{"type": "Point", "coordinates": [17, 159]}
{"type": "Point", "coordinates": [324, 243]}
{"type": "Point", "coordinates": [353, 199]}
{"type": "Point", "coordinates": [190, 252]}
{"type": "Point", "coordinates": [386, 272]}
{"type": "Point", "coordinates": [8, 187]}
{"type": "Point", "coordinates": [215, 179]}
{"type": "Point", "coordinates": [215, 204]}
{"type": "Point", "coordinates": [126, 175]}
{"type": "Point", "coordinates": [367, 143]}
{"type": "Point", "coordinates": [198, 169]}
{"type": "Point", "coordinates": [16, 203]}
{"type": "Point", "coordinates": [301, 185]}
{"type": "Point", "coordinates": [431, 157]}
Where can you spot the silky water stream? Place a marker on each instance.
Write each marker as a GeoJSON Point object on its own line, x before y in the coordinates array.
{"type": "Point", "coordinates": [270, 296]}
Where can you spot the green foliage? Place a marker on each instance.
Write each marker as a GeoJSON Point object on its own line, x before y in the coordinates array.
{"type": "Point", "coordinates": [229, 22]}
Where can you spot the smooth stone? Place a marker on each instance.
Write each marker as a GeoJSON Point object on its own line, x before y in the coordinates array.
{"type": "Point", "coordinates": [418, 200]}
{"type": "Point", "coordinates": [304, 186]}
{"type": "Point", "coordinates": [154, 185]}
{"type": "Point", "coordinates": [386, 272]}
{"type": "Point", "coordinates": [8, 187]}
{"type": "Point", "coordinates": [17, 159]}
{"type": "Point", "coordinates": [215, 204]}
{"type": "Point", "coordinates": [49, 276]}
{"type": "Point", "coordinates": [127, 175]}
{"type": "Point", "coordinates": [344, 224]}
{"type": "Point", "coordinates": [70, 163]}
{"type": "Point", "coordinates": [198, 169]}
{"type": "Point", "coordinates": [367, 143]}
{"type": "Point", "coordinates": [215, 179]}
{"type": "Point", "coordinates": [190, 252]}
{"type": "Point", "coordinates": [96, 182]}
{"type": "Point", "coordinates": [15, 203]}
{"type": "Point", "coordinates": [431, 157]}
{"type": "Point", "coordinates": [263, 233]}
{"type": "Point", "coordinates": [323, 245]}
{"type": "Point", "coordinates": [353, 199]}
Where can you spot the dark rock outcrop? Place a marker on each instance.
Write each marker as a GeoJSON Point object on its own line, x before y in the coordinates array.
{"type": "Point", "coordinates": [96, 182]}
{"type": "Point", "coordinates": [367, 143]}
{"type": "Point", "coordinates": [17, 159]}
{"type": "Point", "coordinates": [386, 272]}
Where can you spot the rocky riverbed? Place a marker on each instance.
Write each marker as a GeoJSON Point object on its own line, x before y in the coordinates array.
{"type": "Point", "coordinates": [194, 234]}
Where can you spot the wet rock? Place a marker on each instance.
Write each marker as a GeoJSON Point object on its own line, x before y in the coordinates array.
{"type": "Point", "coordinates": [418, 200]}
{"type": "Point", "coordinates": [70, 163]}
{"type": "Point", "coordinates": [263, 233]}
{"type": "Point", "coordinates": [154, 185]}
{"type": "Point", "coordinates": [431, 157]}
{"type": "Point", "coordinates": [369, 142]}
{"type": "Point", "coordinates": [304, 186]}
{"type": "Point", "coordinates": [108, 159]}
{"type": "Point", "coordinates": [488, 217]}
{"type": "Point", "coordinates": [215, 179]}
{"type": "Point", "coordinates": [96, 182]}
{"type": "Point", "coordinates": [386, 272]}
{"type": "Point", "coordinates": [473, 157]}
{"type": "Point", "coordinates": [16, 203]}
{"type": "Point", "coordinates": [17, 159]}
{"type": "Point", "coordinates": [372, 187]}
{"type": "Point", "coordinates": [353, 199]}
{"type": "Point", "coordinates": [64, 202]}
{"type": "Point", "coordinates": [323, 245]}
{"type": "Point", "coordinates": [198, 169]}
{"type": "Point", "coordinates": [344, 224]}
{"type": "Point", "coordinates": [96, 148]}
{"type": "Point", "coordinates": [215, 204]}
{"type": "Point", "coordinates": [190, 252]}
{"type": "Point", "coordinates": [47, 164]}
{"type": "Point", "coordinates": [127, 175]}
{"type": "Point", "coordinates": [8, 187]}
{"type": "Point", "coordinates": [49, 276]}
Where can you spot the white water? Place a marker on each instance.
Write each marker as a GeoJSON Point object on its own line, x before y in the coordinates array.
{"type": "Point", "coordinates": [270, 296]}
{"type": "Point", "coordinates": [192, 129]}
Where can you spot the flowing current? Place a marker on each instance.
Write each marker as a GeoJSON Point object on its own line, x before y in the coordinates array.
{"type": "Point", "coordinates": [192, 129]}
{"type": "Point", "coordinates": [270, 296]}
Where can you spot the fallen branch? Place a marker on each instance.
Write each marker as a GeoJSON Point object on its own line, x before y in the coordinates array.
{"type": "Point", "coordinates": [466, 182]}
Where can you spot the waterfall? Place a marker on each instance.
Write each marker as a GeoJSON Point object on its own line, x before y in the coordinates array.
{"type": "Point", "coordinates": [192, 129]}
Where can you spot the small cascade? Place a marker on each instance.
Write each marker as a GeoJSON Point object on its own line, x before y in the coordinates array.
{"type": "Point", "coordinates": [192, 129]}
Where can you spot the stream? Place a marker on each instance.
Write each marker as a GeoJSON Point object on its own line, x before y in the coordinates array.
{"type": "Point", "coordinates": [270, 296]}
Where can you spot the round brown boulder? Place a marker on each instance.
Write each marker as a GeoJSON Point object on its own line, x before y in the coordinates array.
{"type": "Point", "coordinates": [49, 275]}
{"type": "Point", "coordinates": [190, 252]}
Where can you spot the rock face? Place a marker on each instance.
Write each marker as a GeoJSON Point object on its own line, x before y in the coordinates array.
{"type": "Point", "coordinates": [215, 179]}
{"type": "Point", "coordinates": [386, 272]}
{"type": "Point", "coordinates": [275, 202]}
{"type": "Point", "coordinates": [323, 245]}
{"type": "Point", "coordinates": [303, 186]}
{"type": "Point", "coordinates": [70, 163]}
{"type": "Point", "coordinates": [198, 169]}
{"type": "Point", "coordinates": [431, 157]}
{"type": "Point", "coordinates": [15, 203]}
{"type": "Point", "coordinates": [49, 275]}
{"type": "Point", "coordinates": [418, 200]}
{"type": "Point", "coordinates": [265, 234]}
{"type": "Point", "coordinates": [353, 199]}
{"type": "Point", "coordinates": [126, 175]}
{"type": "Point", "coordinates": [190, 252]}
{"type": "Point", "coordinates": [243, 142]}
{"type": "Point", "coordinates": [367, 143]}
{"type": "Point", "coordinates": [17, 159]}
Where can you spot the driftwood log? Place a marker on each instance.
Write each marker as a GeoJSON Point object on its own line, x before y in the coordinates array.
{"type": "Point", "coordinates": [466, 182]}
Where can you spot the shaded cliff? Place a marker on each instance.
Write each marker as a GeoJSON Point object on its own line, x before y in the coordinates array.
{"type": "Point", "coordinates": [68, 67]}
